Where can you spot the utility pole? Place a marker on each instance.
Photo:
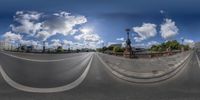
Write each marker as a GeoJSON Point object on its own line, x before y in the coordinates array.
{"type": "Point", "coordinates": [182, 47]}
{"type": "Point", "coordinates": [43, 47]}
{"type": "Point", "coordinates": [128, 53]}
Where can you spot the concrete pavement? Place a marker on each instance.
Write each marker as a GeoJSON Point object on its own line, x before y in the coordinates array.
{"type": "Point", "coordinates": [145, 70]}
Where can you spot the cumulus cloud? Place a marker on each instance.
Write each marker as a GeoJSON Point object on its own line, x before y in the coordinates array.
{"type": "Point", "coordinates": [87, 35]}
{"type": "Point", "coordinates": [43, 26]}
{"type": "Point", "coordinates": [29, 42]}
{"type": "Point", "coordinates": [120, 39]}
{"type": "Point", "coordinates": [146, 45]}
{"type": "Point", "coordinates": [63, 23]}
{"type": "Point", "coordinates": [100, 42]}
{"type": "Point", "coordinates": [110, 43]}
{"type": "Point", "coordinates": [43, 35]}
{"type": "Point", "coordinates": [162, 11]}
{"type": "Point", "coordinates": [55, 43]}
{"type": "Point", "coordinates": [147, 30]}
{"type": "Point", "coordinates": [189, 42]}
{"type": "Point", "coordinates": [150, 43]}
{"type": "Point", "coordinates": [66, 42]}
{"type": "Point", "coordinates": [168, 29]}
{"type": "Point", "coordinates": [40, 27]}
{"type": "Point", "coordinates": [9, 36]}
{"type": "Point", "coordinates": [26, 22]}
{"type": "Point", "coordinates": [124, 44]}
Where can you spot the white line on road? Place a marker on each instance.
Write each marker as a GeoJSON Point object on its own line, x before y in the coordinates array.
{"type": "Point", "coordinates": [34, 60]}
{"type": "Point", "coordinates": [198, 59]}
{"type": "Point", "coordinates": [46, 90]}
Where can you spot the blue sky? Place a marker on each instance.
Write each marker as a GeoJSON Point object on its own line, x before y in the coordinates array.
{"type": "Point", "coordinates": [107, 20]}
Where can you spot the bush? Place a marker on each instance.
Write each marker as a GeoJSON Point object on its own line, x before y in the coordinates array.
{"type": "Point", "coordinates": [110, 48]}
{"type": "Point", "coordinates": [118, 49]}
{"type": "Point", "coordinates": [59, 49]}
{"type": "Point", "coordinates": [173, 45]}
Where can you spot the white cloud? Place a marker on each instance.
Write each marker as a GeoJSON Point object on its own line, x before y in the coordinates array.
{"type": "Point", "coordinates": [162, 11]}
{"type": "Point", "coordinates": [110, 43]}
{"type": "Point", "coordinates": [43, 35]}
{"type": "Point", "coordinates": [147, 30]}
{"type": "Point", "coordinates": [168, 29]}
{"type": "Point", "coordinates": [139, 45]}
{"type": "Point", "coordinates": [43, 26]}
{"type": "Point", "coordinates": [124, 44]}
{"type": "Point", "coordinates": [29, 15]}
{"type": "Point", "coordinates": [146, 45]}
{"type": "Point", "coordinates": [101, 41]}
{"type": "Point", "coordinates": [27, 22]}
{"type": "Point", "coordinates": [149, 44]}
{"type": "Point", "coordinates": [189, 42]}
{"type": "Point", "coordinates": [87, 35]}
{"type": "Point", "coordinates": [120, 39]}
{"type": "Point", "coordinates": [9, 36]}
{"type": "Point", "coordinates": [28, 42]}
{"type": "Point", "coordinates": [55, 43]}
{"type": "Point", "coordinates": [63, 23]}
{"type": "Point", "coordinates": [66, 42]}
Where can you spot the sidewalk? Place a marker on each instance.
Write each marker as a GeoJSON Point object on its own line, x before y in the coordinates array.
{"type": "Point", "coordinates": [144, 68]}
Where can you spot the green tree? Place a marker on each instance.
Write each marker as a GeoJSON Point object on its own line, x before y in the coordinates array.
{"type": "Point", "coordinates": [110, 48]}
{"type": "Point", "coordinates": [173, 45]}
{"type": "Point", "coordinates": [186, 47]}
{"type": "Point", "coordinates": [59, 49]}
{"type": "Point", "coordinates": [104, 48]}
{"type": "Point", "coordinates": [117, 49]}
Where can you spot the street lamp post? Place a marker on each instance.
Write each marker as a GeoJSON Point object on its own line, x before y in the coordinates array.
{"type": "Point", "coordinates": [128, 53]}
{"type": "Point", "coordinates": [43, 47]}
{"type": "Point", "coordinates": [182, 47]}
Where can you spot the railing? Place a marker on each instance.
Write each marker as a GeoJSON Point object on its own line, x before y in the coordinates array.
{"type": "Point", "coordinates": [146, 55]}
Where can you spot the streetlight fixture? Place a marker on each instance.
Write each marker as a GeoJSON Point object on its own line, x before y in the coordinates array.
{"type": "Point", "coordinates": [43, 47]}
{"type": "Point", "coordinates": [128, 53]}
{"type": "Point", "coordinates": [182, 47]}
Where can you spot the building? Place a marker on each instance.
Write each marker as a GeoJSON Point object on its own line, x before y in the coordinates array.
{"type": "Point", "coordinates": [5, 45]}
{"type": "Point", "coordinates": [1, 45]}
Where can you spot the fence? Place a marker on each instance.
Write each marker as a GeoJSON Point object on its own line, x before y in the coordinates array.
{"type": "Point", "coordinates": [146, 54]}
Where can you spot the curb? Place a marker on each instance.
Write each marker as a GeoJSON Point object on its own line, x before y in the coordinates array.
{"type": "Point", "coordinates": [148, 77]}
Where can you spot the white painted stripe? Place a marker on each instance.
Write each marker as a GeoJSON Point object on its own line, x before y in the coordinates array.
{"type": "Point", "coordinates": [198, 59]}
{"type": "Point", "coordinates": [34, 60]}
{"type": "Point", "coordinates": [46, 90]}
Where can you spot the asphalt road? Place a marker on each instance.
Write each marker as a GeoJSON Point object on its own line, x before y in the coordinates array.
{"type": "Point", "coordinates": [44, 74]}
{"type": "Point", "coordinates": [100, 84]}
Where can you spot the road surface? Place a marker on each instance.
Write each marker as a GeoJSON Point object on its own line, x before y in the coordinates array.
{"type": "Point", "coordinates": [100, 84]}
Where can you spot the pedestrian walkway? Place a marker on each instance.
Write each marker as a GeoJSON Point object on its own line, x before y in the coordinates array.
{"type": "Point", "coordinates": [145, 68]}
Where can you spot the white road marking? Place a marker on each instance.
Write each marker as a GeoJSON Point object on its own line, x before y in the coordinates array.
{"type": "Point", "coordinates": [46, 90]}
{"type": "Point", "coordinates": [198, 59]}
{"type": "Point", "coordinates": [34, 60]}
